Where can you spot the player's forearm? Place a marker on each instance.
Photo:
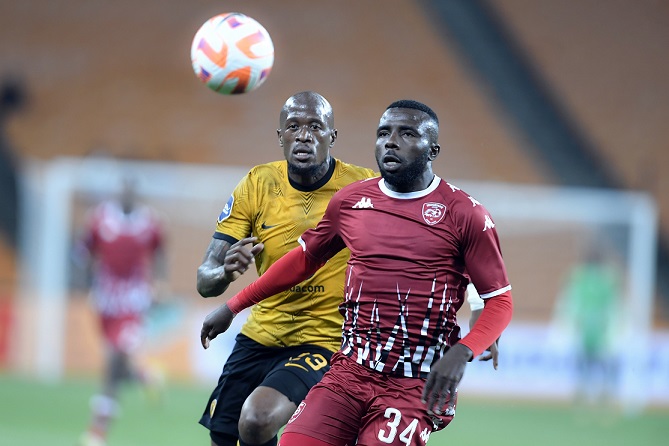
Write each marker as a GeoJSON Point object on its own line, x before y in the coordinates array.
{"type": "Point", "coordinates": [288, 271]}
{"type": "Point", "coordinates": [493, 320]}
{"type": "Point", "coordinates": [211, 281]}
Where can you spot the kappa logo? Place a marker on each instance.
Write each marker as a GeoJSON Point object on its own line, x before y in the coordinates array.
{"type": "Point", "coordinates": [433, 213]}
{"type": "Point", "coordinates": [488, 224]}
{"type": "Point", "coordinates": [364, 203]}
{"type": "Point", "coordinates": [474, 201]}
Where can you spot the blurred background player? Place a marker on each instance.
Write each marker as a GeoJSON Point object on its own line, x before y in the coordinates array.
{"type": "Point", "coordinates": [123, 247]}
{"type": "Point", "coordinates": [285, 345]}
{"type": "Point", "coordinates": [588, 313]}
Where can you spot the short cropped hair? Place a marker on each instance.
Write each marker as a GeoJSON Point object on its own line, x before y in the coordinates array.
{"type": "Point", "coordinates": [409, 103]}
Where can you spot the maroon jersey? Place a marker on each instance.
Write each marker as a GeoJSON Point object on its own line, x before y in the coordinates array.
{"type": "Point", "coordinates": [412, 255]}
{"type": "Point", "coordinates": [123, 246]}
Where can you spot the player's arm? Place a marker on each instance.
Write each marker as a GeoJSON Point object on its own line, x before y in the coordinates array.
{"type": "Point", "coordinates": [494, 318]}
{"type": "Point", "coordinates": [294, 267]}
{"type": "Point", "coordinates": [486, 269]}
{"type": "Point", "coordinates": [476, 305]}
{"type": "Point", "coordinates": [223, 263]}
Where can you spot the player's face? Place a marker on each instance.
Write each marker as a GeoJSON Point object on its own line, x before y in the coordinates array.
{"type": "Point", "coordinates": [306, 135]}
{"type": "Point", "coordinates": [405, 147]}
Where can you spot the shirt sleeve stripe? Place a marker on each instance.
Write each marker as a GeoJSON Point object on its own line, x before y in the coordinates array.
{"type": "Point", "coordinates": [496, 292]}
{"type": "Point", "coordinates": [225, 237]}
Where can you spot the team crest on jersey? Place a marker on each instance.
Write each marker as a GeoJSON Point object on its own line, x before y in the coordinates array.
{"type": "Point", "coordinates": [227, 209]}
{"type": "Point", "coordinates": [433, 213]}
{"type": "Point", "coordinates": [297, 412]}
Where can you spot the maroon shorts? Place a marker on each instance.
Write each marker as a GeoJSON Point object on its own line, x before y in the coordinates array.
{"type": "Point", "coordinates": [124, 333]}
{"type": "Point", "coordinates": [352, 401]}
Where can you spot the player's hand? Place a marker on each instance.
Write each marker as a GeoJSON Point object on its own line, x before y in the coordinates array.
{"type": "Point", "coordinates": [216, 322]}
{"type": "Point", "coordinates": [492, 353]}
{"type": "Point", "coordinates": [442, 383]}
{"type": "Point", "coordinates": [240, 257]}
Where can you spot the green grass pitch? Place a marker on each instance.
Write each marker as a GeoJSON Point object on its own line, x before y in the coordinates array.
{"type": "Point", "coordinates": [32, 413]}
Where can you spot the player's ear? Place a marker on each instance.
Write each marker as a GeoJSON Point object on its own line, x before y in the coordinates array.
{"type": "Point", "coordinates": [434, 151]}
{"type": "Point", "coordinates": [333, 137]}
{"type": "Point", "coordinates": [278, 133]}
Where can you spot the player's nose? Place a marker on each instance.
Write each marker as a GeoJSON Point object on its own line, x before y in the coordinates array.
{"type": "Point", "coordinates": [391, 141]}
{"type": "Point", "coordinates": [304, 134]}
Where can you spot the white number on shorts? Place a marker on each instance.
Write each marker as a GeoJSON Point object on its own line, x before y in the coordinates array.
{"type": "Point", "coordinates": [395, 417]}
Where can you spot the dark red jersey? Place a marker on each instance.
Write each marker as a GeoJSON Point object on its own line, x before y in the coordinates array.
{"type": "Point", "coordinates": [123, 247]}
{"type": "Point", "coordinates": [411, 257]}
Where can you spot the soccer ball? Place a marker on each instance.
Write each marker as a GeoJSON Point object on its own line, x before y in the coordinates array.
{"type": "Point", "coordinates": [232, 53]}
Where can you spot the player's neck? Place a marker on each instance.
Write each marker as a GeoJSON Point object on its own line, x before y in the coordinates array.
{"type": "Point", "coordinates": [420, 183]}
{"type": "Point", "coordinates": [312, 178]}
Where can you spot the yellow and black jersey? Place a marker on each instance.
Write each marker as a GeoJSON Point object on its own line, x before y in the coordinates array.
{"type": "Point", "coordinates": [268, 205]}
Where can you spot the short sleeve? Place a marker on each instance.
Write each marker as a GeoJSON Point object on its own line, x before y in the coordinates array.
{"type": "Point", "coordinates": [482, 252]}
{"type": "Point", "coordinates": [236, 219]}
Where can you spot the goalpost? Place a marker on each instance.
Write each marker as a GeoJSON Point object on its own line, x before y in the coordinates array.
{"type": "Point", "coordinates": [541, 228]}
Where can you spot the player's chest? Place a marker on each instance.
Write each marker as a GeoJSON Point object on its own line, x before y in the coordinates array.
{"type": "Point", "coordinates": [283, 219]}
{"type": "Point", "coordinates": [300, 211]}
{"type": "Point", "coordinates": [421, 225]}
{"type": "Point", "coordinates": [123, 233]}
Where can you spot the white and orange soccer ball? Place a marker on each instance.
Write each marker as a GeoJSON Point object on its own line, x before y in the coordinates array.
{"type": "Point", "coordinates": [232, 53]}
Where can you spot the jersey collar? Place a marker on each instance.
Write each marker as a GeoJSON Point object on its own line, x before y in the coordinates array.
{"type": "Point", "coordinates": [410, 195]}
{"type": "Point", "coordinates": [320, 183]}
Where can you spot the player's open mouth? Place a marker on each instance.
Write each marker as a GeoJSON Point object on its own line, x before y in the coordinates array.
{"type": "Point", "coordinates": [391, 162]}
{"type": "Point", "coordinates": [301, 155]}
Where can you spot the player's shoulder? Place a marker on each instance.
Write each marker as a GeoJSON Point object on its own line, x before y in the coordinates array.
{"type": "Point", "coordinates": [271, 169]}
{"type": "Point", "coordinates": [459, 201]}
{"type": "Point", "coordinates": [456, 196]}
{"type": "Point", "coordinates": [353, 191]}
{"type": "Point", "coordinates": [264, 176]}
{"type": "Point", "coordinates": [352, 171]}
{"type": "Point", "coordinates": [463, 207]}
{"type": "Point", "coordinates": [359, 187]}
